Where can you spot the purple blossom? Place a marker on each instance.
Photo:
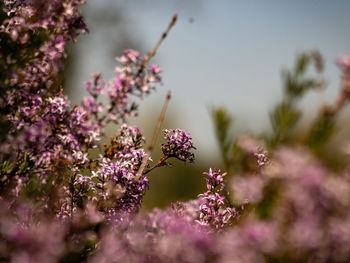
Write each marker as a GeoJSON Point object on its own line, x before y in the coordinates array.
{"type": "Point", "coordinates": [161, 236]}
{"type": "Point", "coordinates": [96, 86]}
{"type": "Point", "coordinates": [247, 188]}
{"type": "Point", "coordinates": [215, 210]}
{"type": "Point", "coordinates": [155, 69]}
{"type": "Point", "coordinates": [179, 145]}
{"type": "Point", "coordinates": [116, 179]}
{"type": "Point", "coordinates": [130, 56]}
{"type": "Point", "coordinates": [344, 63]}
{"type": "Point", "coordinates": [132, 79]}
{"type": "Point", "coordinates": [32, 75]}
{"type": "Point", "coordinates": [261, 157]}
{"type": "Point", "coordinates": [59, 203]}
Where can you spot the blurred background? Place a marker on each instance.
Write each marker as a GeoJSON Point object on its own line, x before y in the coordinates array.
{"type": "Point", "coordinates": [220, 53]}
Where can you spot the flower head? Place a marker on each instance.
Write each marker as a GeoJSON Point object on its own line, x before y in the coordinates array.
{"type": "Point", "coordinates": [215, 212]}
{"type": "Point", "coordinates": [179, 145]}
{"type": "Point", "coordinates": [344, 63]}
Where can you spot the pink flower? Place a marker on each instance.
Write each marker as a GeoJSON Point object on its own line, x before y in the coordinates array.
{"type": "Point", "coordinates": [344, 63]}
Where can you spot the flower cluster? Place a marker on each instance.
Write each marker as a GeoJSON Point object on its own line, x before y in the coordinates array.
{"type": "Point", "coordinates": [133, 78]}
{"type": "Point", "coordinates": [179, 145]}
{"type": "Point", "coordinates": [344, 63]}
{"type": "Point", "coordinates": [343, 97]}
{"type": "Point", "coordinates": [117, 178]}
{"type": "Point", "coordinates": [33, 45]}
{"type": "Point", "coordinates": [65, 198]}
{"type": "Point", "coordinates": [261, 157]}
{"type": "Point", "coordinates": [36, 119]}
{"type": "Point", "coordinates": [306, 220]}
{"type": "Point", "coordinates": [49, 240]}
{"type": "Point", "coordinates": [45, 139]}
{"type": "Point", "coordinates": [161, 237]}
{"type": "Point", "coordinates": [215, 210]}
{"type": "Point", "coordinates": [295, 212]}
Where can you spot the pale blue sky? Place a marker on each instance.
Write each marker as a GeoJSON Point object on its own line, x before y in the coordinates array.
{"type": "Point", "coordinates": [230, 55]}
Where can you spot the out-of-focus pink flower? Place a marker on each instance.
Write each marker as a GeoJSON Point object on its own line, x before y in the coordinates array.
{"type": "Point", "coordinates": [344, 63]}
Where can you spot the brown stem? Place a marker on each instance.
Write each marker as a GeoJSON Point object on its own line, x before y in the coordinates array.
{"type": "Point", "coordinates": [154, 137]}
{"type": "Point", "coordinates": [162, 114]}
{"type": "Point", "coordinates": [159, 123]}
{"type": "Point", "coordinates": [160, 163]}
{"type": "Point", "coordinates": [344, 94]}
{"type": "Point", "coordinates": [156, 46]}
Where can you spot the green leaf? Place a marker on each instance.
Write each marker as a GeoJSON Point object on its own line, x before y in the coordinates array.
{"type": "Point", "coordinates": [283, 120]}
{"type": "Point", "coordinates": [222, 125]}
{"type": "Point", "coordinates": [5, 167]}
{"type": "Point", "coordinates": [301, 64]}
{"type": "Point", "coordinates": [321, 130]}
{"type": "Point", "coordinates": [27, 163]}
{"type": "Point", "coordinates": [295, 82]}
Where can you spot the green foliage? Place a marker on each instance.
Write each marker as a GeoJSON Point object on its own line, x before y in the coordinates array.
{"type": "Point", "coordinates": [27, 164]}
{"type": "Point", "coordinates": [24, 166]}
{"type": "Point", "coordinates": [321, 130]}
{"type": "Point", "coordinates": [283, 119]}
{"type": "Point", "coordinates": [5, 167]}
{"type": "Point", "coordinates": [271, 196]}
{"type": "Point", "coordinates": [82, 250]}
{"type": "Point", "coordinates": [222, 125]}
{"type": "Point", "coordinates": [296, 84]}
{"type": "Point", "coordinates": [32, 187]}
{"type": "Point", "coordinates": [235, 159]}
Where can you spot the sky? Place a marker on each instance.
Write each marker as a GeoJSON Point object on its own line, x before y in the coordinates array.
{"type": "Point", "coordinates": [220, 53]}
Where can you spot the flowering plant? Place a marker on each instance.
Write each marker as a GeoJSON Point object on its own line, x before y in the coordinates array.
{"type": "Point", "coordinates": [67, 198]}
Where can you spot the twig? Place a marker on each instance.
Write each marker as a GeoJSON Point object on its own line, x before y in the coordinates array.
{"type": "Point", "coordinates": [160, 163]}
{"type": "Point", "coordinates": [159, 123]}
{"type": "Point", "coordinates": [156, 46]}
{"type": "Point", "coordinates": [154, 137]}
{"type": "Point", "coordinates": [162, 114]}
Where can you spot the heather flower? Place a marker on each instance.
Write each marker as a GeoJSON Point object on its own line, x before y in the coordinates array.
{"type": "Point", "coordinates": [249, 144]}
{"type": "Point", "coordinates": [261, 157]}
{"type": "Point", "coordinates": [51, 132]}
{"type": "Point", "coordinates": [155, 69]}
{"type": "Point", "coordinates": [254, 150]}
{"type": "Point", "coordinates": [95, 87]}
{"type": "Point", "coordinates": [344, 63]}
{"type": "Point", "coordinates": [132, 79]}
{"type": "Point", "coordinates": [116, 181]}
{"type": "Point", "coordinates": [179, 145]}
{"type": "Point", "coordinates": [130, 56]}
{"type": "Point", "coordinates": [59, 204]}
{"type": "Point", "coordinates": [160, 236]}
{"type": "Point", "coordinates": [187, 210]}
{"type": "Point", "coordinates": [215, 210]}
{"type": "Point", "coordinates": [344, 95]}
{"type": "Point", "coordinates": [30, 76]}
{"type": "Point", "coordinates": [247, 189]}
{"type": "Point", "coordinates": [294, 215]}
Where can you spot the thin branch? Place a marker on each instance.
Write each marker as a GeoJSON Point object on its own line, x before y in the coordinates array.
{"type": "Point", "coordinates": [160, 163]}
{"type": "Point", "coordinates": [159, 123]}
{"type": "Point", "coordinates": [154, 137]}
{"type": "Point", "coordinates": [162, 114]}
{"type": "Point", "coordinates": [156, 46]}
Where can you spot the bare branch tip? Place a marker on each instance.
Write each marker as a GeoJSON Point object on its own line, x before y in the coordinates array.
{"type": "Point", "coordinates": [175, 17]}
